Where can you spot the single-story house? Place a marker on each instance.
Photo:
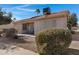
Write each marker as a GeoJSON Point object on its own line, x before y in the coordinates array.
{"type": "Point", "coordinates": [35, 24]}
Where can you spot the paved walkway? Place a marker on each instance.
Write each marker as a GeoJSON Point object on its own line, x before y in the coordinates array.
{"type": "Point", "coordinates": [16, 51]}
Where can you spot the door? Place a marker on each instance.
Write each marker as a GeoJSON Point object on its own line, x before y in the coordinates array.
{"type": "Point", "coordinates": [28, 28]}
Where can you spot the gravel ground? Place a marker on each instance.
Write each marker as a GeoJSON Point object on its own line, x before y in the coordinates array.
{"type": "Point", "coordinates": [10, 46]}
{"type": "Point", "coordinates": [16, 51]}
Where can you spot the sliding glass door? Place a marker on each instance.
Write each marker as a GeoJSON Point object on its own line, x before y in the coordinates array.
{"type": "Point", "coordinates": [28, 28]}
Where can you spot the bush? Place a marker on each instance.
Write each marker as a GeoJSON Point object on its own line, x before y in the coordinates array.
{"type": "Point", "coordinates": [73, 32]}
{"type": "Point", "coordinates": [1, 32]}
{"type": "Point", "coordinates": [53, 41]}
{"type": "Point", "coordinates": [9, 32]}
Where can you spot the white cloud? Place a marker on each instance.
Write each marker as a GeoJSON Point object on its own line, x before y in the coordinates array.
{"type": "Point", "coordinates": [26, 9]}
{"type": "Point", "coordinates": [18, 11]}
{"type": "Point", "coordinates": [20, 8]}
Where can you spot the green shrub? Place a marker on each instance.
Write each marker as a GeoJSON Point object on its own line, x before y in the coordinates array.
{"type": "Point", "coordinates": [73, 32]}
{"type": "Point", "coordinates": [9, 32]}
{"type": "Point", "coordinates": [53, 41]}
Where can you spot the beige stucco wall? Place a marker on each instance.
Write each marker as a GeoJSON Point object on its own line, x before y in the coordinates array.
{"type": "Point", "coordinates": [18, 27]}
{"type": "Point", "coordinates": [45, 24]}
{"type": "Point", "coordinates": [62, 22]}
{"type": "Point", "coordinates": [7, 26]}
{"type": "Point", "coordinates": [50, 23]}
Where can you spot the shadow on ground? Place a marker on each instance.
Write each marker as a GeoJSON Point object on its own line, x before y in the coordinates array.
{"type": "Point", "coordinates": [10, 40]}
{"type": "Point", "coordinates": [71, 51]}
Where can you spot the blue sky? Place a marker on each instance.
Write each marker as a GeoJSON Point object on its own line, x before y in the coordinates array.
{"type": "Point", "coordinates": [24, 11]}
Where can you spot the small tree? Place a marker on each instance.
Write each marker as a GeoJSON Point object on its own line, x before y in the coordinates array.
{"type": "Point", "coordinates": [69, 24]}
{"type": "Point", "coordinates": [72, 21]}
{"type": "Point", "coordinates": [37, 11]}
{"type": "Point", "coordinates": [10, 14]}
{"type": "Point", "coordinates": [5, 18]}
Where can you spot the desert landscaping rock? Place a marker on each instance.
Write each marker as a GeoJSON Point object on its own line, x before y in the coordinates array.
{"type": "Point", "coordinates": [12, 47]}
